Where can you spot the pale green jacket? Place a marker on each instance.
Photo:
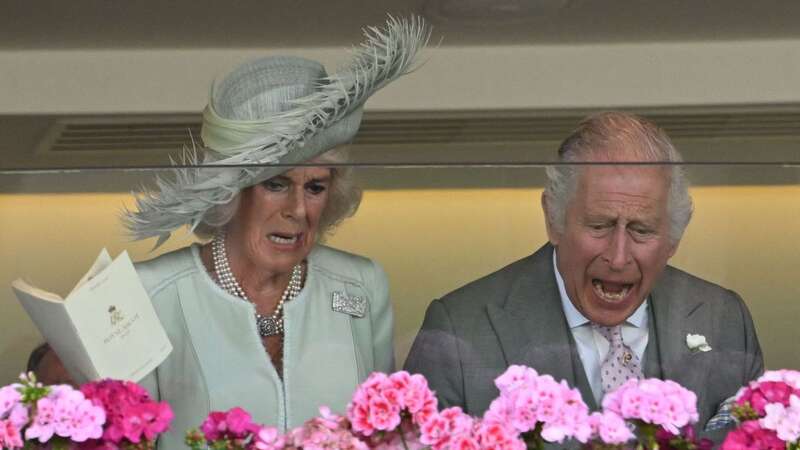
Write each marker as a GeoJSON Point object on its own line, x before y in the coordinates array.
{"type": "Point", "coordinates": [219, 362]}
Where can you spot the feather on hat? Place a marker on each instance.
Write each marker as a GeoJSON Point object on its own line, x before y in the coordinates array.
{"type": "Point", "coordinates": [273, 111]}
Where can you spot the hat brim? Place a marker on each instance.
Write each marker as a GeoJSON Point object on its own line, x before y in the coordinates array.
{"type": "Point", "coordinates": [341, 133]}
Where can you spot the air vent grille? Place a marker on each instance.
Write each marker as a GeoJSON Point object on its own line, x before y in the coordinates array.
{"type": "Point", "coordinates": [165, 133]}
{"type": "Point", "coordinates": [133, 134]}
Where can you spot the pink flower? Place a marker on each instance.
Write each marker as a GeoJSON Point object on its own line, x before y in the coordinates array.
{"type": "Point", "coordinates": [65, 403]}
{"type": "Point", "coordinates": [464, 442]}
{"type": "Point", "coordinates": [385, 414]}
{"type": "Point", "coordinates": [775, 386]}
{"type": "Point", "coordinates": [42, 427]}
{"type": "Point", "coordinates": [239, 422]}
{"type": "Point", "coordinates": [383, 401]}
{"type": "Point", "coordinates": [514, 377]}
{"type": "Point", "coordinates": [9, 398]}
{"type": "Point", "coordinates": [131, 415]}
{"type": "Point", "coordinates": [441, 428]}
{"type": "Point", "coordinates": [19, 415]}
{"type": "Point", "coordinates": [132, 428]}
{"type": "Point", "coordinates": [492, 435]}
{"type": "Point", "coordinates": [329, 431]}
{"type": "Point", "coordinates": [610, 428]}
{"type": "Point", "coordinates": [790, 377]}
{"type": "Point", "coordinates": [784, 421]}
{"type": "Point", "coordinates": [528, 400]}
{"type": "Point", "coordinates": [268, 438]}
{"type": "Point", "coordinates": [658, 402]}
{"type": "Point", "coordinates": [157, 418]}
{"type": "Point", "coordinates": [235, 423]}
{"type": "Point", "coordinates": [759, 394]}
{"type": "Point", "coordinates": [87, 422]}
{"type": "Point", "coordinates": [750, 436]}
{"type": "Point", "coordinates": [10, 436]}
{"type": "Point", "coordinates": [214, 427]}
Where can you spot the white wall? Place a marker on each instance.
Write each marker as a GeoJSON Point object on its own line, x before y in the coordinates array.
{"type": "Point", "coordinates": [654, 74]}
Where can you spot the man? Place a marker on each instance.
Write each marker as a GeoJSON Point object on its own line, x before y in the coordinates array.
{"type": "Point", "coordinates": [598, 304]}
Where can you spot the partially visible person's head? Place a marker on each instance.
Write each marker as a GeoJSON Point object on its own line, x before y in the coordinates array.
{"type": "Point", "coordinates": [45, 363]}
{"type": "Point", "coordinates": [268, 115]}
{"type": "Point", "coordinates": [615, 226]}
{"type": "Point", "coordinates": [278, 221]}
{"type": "Point", "coordinates": [343, 197]}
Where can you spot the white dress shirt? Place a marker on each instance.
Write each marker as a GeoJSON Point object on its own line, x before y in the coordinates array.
{"type": "Point", "coordinates": [592, 346]}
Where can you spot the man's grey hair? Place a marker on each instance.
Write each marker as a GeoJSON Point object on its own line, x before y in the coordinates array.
{"type": "Point", "coordinates": [616, 136]}
{"type": "Point", "coordinates": [344, 197]}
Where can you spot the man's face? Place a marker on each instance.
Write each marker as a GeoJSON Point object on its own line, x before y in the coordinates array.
{"type": "Point", "coordinates": [615, 242]}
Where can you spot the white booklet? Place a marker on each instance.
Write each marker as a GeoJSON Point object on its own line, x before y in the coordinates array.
{"type": "Point", "coordinates": [105, 328]}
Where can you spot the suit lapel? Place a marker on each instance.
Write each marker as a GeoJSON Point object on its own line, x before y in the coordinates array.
{"type": "Point", "coordinates": [652, 354]}
{"type": "Point", "coordinates": [530, 324]}
{"type": "Point", "coordinates": [676, 313]}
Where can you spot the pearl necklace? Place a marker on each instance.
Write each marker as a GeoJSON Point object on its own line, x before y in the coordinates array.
{"type": "Point", "coordinates": [267, 325]}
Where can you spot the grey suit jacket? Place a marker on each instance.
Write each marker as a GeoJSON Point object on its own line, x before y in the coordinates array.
{"type": "Point", "coordinates": [514, 316]}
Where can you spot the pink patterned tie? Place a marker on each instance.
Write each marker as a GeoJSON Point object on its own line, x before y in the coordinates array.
{"type": "Point", "coordinates": [621, 363]}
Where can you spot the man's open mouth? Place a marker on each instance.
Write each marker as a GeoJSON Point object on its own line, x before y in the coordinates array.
{"type": "Point", "coordinates": [611, 291]}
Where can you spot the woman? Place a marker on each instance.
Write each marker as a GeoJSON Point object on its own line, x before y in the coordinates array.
{"type": "Point", "coordinates": [262, 316]}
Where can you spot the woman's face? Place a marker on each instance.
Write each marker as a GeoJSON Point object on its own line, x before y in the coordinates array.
{"type": "Point", "coordinates": [277, 222]}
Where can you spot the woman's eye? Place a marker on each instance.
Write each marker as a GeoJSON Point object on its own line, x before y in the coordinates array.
{"type": "Point", "coordinates": [274, 185]}
{"type": "Point", "coordinates": [316, 188]}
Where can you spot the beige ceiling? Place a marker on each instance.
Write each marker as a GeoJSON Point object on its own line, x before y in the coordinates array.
{"type": "Point", "coordinates": [310, 23]}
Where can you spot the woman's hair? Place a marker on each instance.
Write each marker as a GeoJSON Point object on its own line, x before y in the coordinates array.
{"type": "Point", "coordinates": [344, 197]}
{"type": "Point", "coordinates": [617, 136]}
{"type": "Point", "coordinates": [36, 356]}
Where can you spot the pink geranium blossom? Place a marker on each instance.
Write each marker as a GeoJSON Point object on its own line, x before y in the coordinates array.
{"type": "Point", "coordinates": [268, 438]}
{"type": "Point", "coordinates": [785, 421]}
{"type": "Point", "coordinates": [383, 401]}
{"type": "Point", "coordinates": [751, 436]}
{"type": "Point", "coordinates": [453, 430]}
{"type": "Point", "coordinates": [769, 411]}
{"type": "Point", "coordinates": [10, 397]}
{"type": "Point", "coordinates": [67, 413]}
{"type": "Point", "coordinates": [235, 423]}
{"type": "Point", "coordinates": [498, 436]}
{"type": "Point", "coordinates": [10, 435]}
{"type": "Point", "coordinates": [329, 431]}
{"type": "Point", "coordinates": [528, 400]}
{"type": "Point", "coordinates": [664, 403]}
{"type": "Point", "coordinates": [441, 428]}
{"type": "Point", "coordinates": [610, 428]}
{"type": "Point", "coordinates": [775, 386]}
{"type": "Point", "coordinates": [132, 416]}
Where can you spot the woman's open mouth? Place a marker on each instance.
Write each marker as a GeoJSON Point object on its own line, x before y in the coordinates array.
{"type": "Point", "coordinates": [284, 239]}
{"type": "Point", "coordinates": [611, 291]}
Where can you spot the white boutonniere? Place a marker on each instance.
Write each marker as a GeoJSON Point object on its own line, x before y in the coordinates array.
{"type": "Point", "coordinates": [697, 343]}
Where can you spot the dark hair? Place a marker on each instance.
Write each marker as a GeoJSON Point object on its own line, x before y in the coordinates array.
{"type": "Point", "coordinates": [36, 356]}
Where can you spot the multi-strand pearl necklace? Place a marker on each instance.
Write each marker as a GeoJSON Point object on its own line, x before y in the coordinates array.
{"type": "Point", "coordinates": [267, 325]}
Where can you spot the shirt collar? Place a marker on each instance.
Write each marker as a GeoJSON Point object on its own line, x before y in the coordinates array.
{"type": "Point", "coordinates": [576, 319]}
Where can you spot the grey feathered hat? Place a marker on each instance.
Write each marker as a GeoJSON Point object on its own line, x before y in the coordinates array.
{"type": "Point", "coordinates": [274, 111]}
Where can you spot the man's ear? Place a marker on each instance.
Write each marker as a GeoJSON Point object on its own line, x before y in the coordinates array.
{"type": "Point", "coordinates": [552, 235]}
